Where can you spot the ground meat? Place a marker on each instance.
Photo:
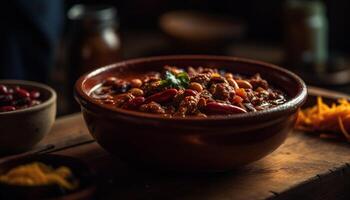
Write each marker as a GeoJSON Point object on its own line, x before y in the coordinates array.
{"type": "Point", "coordinates": [206, 94]}
{"type": "Point", "coordinates": [151, 87]}
{"type": "Point", "coordinates": [188, 105]}
{"type": "Point", "coordinates": [121, 99]}
{"type": "Point", "coordinates": [170, 110]}
{"type": "Point", "coordinates": [202, 79]}
{"type": "Point", "coordinates": [179, 97]}
{"type": "Point", "coordinates": [151, 76]}
{"type": "Point", "coordinates": [217, 79]}
{"type": "Point", "coordinates": [206, 70]}
{"type": "Point", "coordinates": [256, 81]}
{"type": "Point", "coordinates": [221, 91]}
{"type": "Point", "coordinates": [152, 107]}
{"type": "Point", "coordinates": [191, 71]}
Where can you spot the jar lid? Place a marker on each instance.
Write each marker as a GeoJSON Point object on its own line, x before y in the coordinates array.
{"type": "Point", "coordinates": [92, 13]}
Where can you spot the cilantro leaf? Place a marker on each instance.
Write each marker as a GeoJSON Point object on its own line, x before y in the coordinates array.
{"type": "Point", "coordinates": [180, 80]}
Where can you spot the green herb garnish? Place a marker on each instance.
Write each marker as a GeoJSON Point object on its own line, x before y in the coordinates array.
{"type": "Point", "coordinates": [179, 81]}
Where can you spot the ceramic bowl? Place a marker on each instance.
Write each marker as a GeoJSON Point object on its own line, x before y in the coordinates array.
{"type": "Point", "coordinates": [24, 128]}
{"type": "Point", "coordinates": [215, 143]}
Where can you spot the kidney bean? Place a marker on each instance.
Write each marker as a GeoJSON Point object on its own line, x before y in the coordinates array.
{"type": "Point", "coordinates": [221, 108]}
{"type": "Point", "coordinates": [196, 86]}
{"type": "Point", "coordinates": [161, 97]}
{"type": "Point", "coordinates": [34, 102]}
{"type": "Point", "coordinates": [34, 94]}
{"type": "Point", "coordinates": [189, 92]}
{"type": "Point", "coordinates": [3, 89]}
{"type": "Point", "coordinates": [10, 91]}
{"type": "Point", "coordinates": [233, 83]}
{"type": "Point", "coordinates": [244, 84]}
{"type": "Point", "coordinates": [217, 79]}
{"type": "Point", "coordinates": [110, 81]}
{"type": "Point", "coordinates": [17, 98]}
{"type": "Point", "coordinates": [228, 75]}
{"type": "Point", "coordinates": [121, 86]}
{"type": "Point", "coordinates": [136, 83]}
{"type": "Point", "coordinates": [7, 108]}
{"type": "Point", "coordinates": [136, 92]}
{"type": "Point", "coordinates": [21, 101]}
{"type": "Point", "coordinates": [6, 98]}
{"type": "Point", "coordinates": [22, 93]}
{"type": "Point", "coordinates": [108, 101]}
{"type": "Point", "coordinates": [134, 103]}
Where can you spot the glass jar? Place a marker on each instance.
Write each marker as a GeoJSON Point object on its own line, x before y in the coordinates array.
{"type": "Point", "coordinates": [93, 39]}
{"type": "Point", "coordinates": [306, 35]}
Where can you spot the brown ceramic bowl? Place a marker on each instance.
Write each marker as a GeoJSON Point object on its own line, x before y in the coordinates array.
{"type": "Point", "coordinates": [215, 143]}
{"type": "Point", "coordinates": [24, 128]}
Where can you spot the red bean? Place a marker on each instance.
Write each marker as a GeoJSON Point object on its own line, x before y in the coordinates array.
{"type": "Point", "coordinates": [134, 103]}
{"type": "Point", "coordinates": [6, 98]}
{"type": "Point", "coordinates": [189, 92]}
{"type": "Point", "coordinates": [34, 94]}
{"type": "Point", "coordinates": [10, 91]}
{"type": "Point", "coordinates": [3, 89]}
{"type": "Point", "coordinates": [108, 101]}
{"type": "Point", "coordinates": [110, 81]}
{"type": "Point", "coordinates": [22, 93]}
{"type": "Point", "coordinates": [221, 108]}
{"type": "Point", "coordinates": [21, 101]}
{"type": "Point", "coordinates": [161, 97]}
{"type": "Point", "coordinates": [7, 108]}
{"type": "Point", "coordinates": [17, 98]}
{"type": "Point", "coordinates": [34, 102]}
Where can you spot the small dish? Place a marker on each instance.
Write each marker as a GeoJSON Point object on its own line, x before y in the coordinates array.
{"type": "Point", "coordinates": [79, 169]}
{"type": "Point", "coordinates": [22, 129]}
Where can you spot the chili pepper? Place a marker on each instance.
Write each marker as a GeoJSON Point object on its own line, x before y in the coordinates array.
{"type": "Point", "coordinates": [161, 97]}
{"type": "Point", "coordinates": [221, 108]}
{"type": "Point", "coordinates": [236, 99]}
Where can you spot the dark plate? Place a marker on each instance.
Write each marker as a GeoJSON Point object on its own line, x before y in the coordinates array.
{"type": "Point", "coordinates": [79, 169]}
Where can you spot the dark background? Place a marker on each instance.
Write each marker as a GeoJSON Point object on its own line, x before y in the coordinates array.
{"type": "Point", "coordinates": [32, 40]}
{"type": "Point", "coordinates": [264, 18]}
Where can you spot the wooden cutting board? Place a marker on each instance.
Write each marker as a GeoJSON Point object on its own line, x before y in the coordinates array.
{"type": "Point", "coordinates": [304, 167]}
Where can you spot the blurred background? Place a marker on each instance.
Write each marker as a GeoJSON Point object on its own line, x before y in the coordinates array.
{"type": "Point", "coordinates": [56, 41]}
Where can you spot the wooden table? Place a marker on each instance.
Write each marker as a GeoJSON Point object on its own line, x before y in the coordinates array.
{"type": "Point", "coordinates": [304, 167]}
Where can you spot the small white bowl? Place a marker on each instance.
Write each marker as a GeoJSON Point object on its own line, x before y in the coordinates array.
{"type": "Point", "coordinates": [22, 129]}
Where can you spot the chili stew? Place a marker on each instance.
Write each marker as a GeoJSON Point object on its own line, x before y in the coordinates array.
{"type": "Point", "coordinates": [192, 91]}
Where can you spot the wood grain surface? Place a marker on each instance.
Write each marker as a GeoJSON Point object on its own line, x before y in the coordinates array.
{"type": "Point", "coordinates": [304, 167]}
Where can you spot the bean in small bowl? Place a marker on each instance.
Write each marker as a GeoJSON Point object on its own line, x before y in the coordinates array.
{"type": "Point", "coordinates": [15, 97]}
{"type": "Point", "coordinates": [28, 110]}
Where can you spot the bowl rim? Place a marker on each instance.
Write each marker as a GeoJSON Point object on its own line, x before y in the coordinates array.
{"type": "Point", "coordinates": [291, 105]}
{"type": "Point", "coordinates": [51, 100]}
